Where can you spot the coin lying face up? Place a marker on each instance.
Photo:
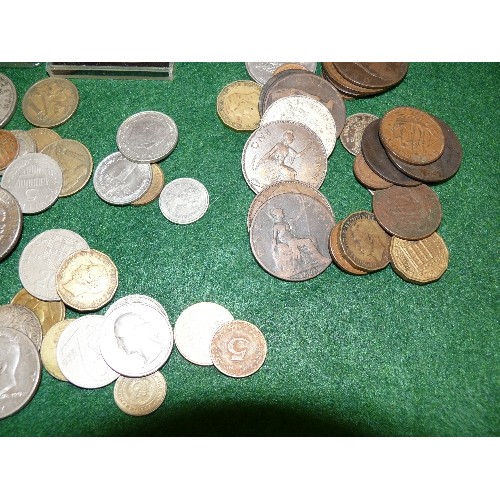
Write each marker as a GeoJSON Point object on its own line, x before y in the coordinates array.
{"type": "Point", "coordinates": [8, 99]}
{"type": "Point", "coordinates": [238, 105]}
{"type": "Point", "coordinates": [11, 223]}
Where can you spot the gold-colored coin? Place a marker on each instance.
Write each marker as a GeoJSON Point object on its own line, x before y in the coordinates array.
{"type": "Point", "coordinates": [87, 280]}
{"type": "Point", "coordinates": [50, 102]}
{"type": "Point", "coordinates": [75, 161]}
{"type": "Point", "coordinates": [48, 312]}
{"type": "Point", "coordinates": [419, 261]}
{"type": "Point", "coordinates": [284, 67]}
{"type": "Point", "coordinates": [154, 189]}
{"type": "Point", "coordinates": [48, 351]}
{"type": "Point", "coordinates": [43, 137]}
{"type": "Point", "coordinates": [238, 105]}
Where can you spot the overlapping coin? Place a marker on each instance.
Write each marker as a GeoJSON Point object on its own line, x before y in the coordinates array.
{"type": "Point", "coordinates": [11, 223]}
{"type": "Point", "coordinates": [22, 319]}
{"type": "Point", "coordinates": [261, 72]}
{"type": "Point", "coordinates": [8, 99]}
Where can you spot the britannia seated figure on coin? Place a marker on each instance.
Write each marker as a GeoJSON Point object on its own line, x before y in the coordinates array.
{"type": "Point", "coordinates": [10, 354]}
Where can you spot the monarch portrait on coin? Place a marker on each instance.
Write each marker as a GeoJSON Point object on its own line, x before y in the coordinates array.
{"type": "Point", "coordinates": [10, 353]}
{"type": "Point", "coordinates": [90, 278]}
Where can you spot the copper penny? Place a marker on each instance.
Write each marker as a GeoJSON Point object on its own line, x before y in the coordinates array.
{"type": "Point", "coordinates": [376, 157]}
{"type": "Point", "coordinates": [411, 213]}
{"type": "Point", "coordinates": [421, 261]}
{"type": "Point", "coordinates": [337, 254]}
{"type": "Point", "coordinates": [154, 190]}
{"type": "Point", "coordinates": [366, 175]}
{"type": "Point", "coordinates": [412, 135]}
{"type": "Point", "coordinates": [238, 349]}
{"type": "Point", "coordinates": [269, 83]}
{"type": "Point", "coordinates": [353, 131]}
{"type": "Point", "coordinates": [9, 147]}
{"type": "Point", "coordinates": [43, 137]}
{"type": "Point", "coordinates": [335, 78]}
{"type": "Point", "coordinates": [373, 74]}
{"type": "Point", "coordinates": [286, 66]}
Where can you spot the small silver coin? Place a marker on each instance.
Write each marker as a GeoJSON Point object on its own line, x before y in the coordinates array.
{"type": "Point", "coordinates": [26, 143]}
{"type": "Point", "coordinates": [184, 200]}
{"type": "Point", "coordinates": [20, 373]}
{"type": "Point", "coordinates": [42, 257]}
{"type": "Point", "coordinates": [23, 319]}
{"type": "Point", "coordinates": [35, 180]}
{"type": "Point", "coordinates": [262, 71]}
{"type": "Point", "coordinates": [147, 137]}
{"type": "Point", "coordinates": [8, 99]}
{"type": "Point", "coordinates": [352, 133]}
{"type": "Point", "coordinates": [119, 181]}
{"type": "Point", "coordinates": [11, 223]}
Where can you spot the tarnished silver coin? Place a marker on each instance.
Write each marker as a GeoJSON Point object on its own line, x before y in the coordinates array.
{"type": "Point", "coordinates": [352, 133]}
{"type": "Point", "coordinates": [23, 319]}
{"type": "Point", "coordinates": [20, 372]}
{"type": "Point", "coordinates": [262, 71]}
{"type": "Point", "coordinates": [283, 151]}
{"type": "Point", "coordinates": [136, 339]}
{"type": "Point", "coordinates": [195, 328]}
{"type": "Point", "coordinates": [35, 180]}
{"type": "Point", "coordinates": [42, 257]}
{"type": "Point", "coordinates": [184, 200]}
{"type": "Point", "coordinates": [79, 353]}
{"type": "Point", "coordinates": [119, 181]}
{"type": "Point", "coordinates": [26, 143]}
{"type": "Point", "coordinates": [147, 137]}
{"type": "Point", "coordinates": [11, 223]}
{"type": "Point", "coordinates": [8, 99]}
{"type": "Point", "coordinates": [309, 112]}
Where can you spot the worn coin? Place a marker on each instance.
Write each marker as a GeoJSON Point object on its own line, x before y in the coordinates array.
{"type": "Point", "coordinates": [345, 86]}
{"type": "Point", "coordinates": [35, 180]}
{"type": "Point", "coordinates": [138, 396]}
{"type": "Point", "coordinates": [9, 148]}
{"type": "Point", "coordinates": [155, 188]}
{"type": "Point", "coordinates": [421, 261]}
{"type": "Point", "coordinates": [283, 150]}
{"type": "Point", "coordinates": [184, 200]}
{"type": "Point", "coordinates": [261, 72]}
{"type": "Point", "coordinates": [307, 111]}
{"type": "Point", "coordinates": [411, 213]}
{"type": "Point", "coordinates": [147, 137]}
{"type": "Point", "coordinates": [287, 66]}
{"type": "Point", "coordinates": [26, 143]}
{"type": "Point", "coordinates": [48, 351]}
{"type": "Point", "coordinates": [337, 255]}
{"type": "Point", "coordinates": [366, 175]}
{"type": "Point", "coordinates": [238, 349]}
{"type": "Point", "coordinates": [238, 105]}
{"type": "Point", "coordinates": [136, 299]}
{"type": "Point", "coordinates": [50, 102]}
{"type": "Point", "coordinates": [352, 132]}
{"type": "Point", "coordinates": [75, 161]}
{"type": "Point", "coordinates": [119, 181]}
{"type": "Point", "coordinates": [87, 280]}
{"type": "Point", "coordinates": [195, 328]}
{"type": "Point", "coordinates": [11, 223]}
{"type": "Point", "coordinates": [79, 353]}
{"type": "Point", "coordinates": [373, 74]}
{"type": "Point", "coordinates": [43, 137]}
{"type": "Point", "coordinates": [8, 99]}
{"type": "Point", "coordinates": [22, 319]}
{"type": "Point", "coordinates": [20, 372]}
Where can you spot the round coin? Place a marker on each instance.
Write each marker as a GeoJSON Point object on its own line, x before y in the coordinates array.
{"type": "Point", "coordinates": [184, 200]}
{"type": "Point", "coordinates": [138, 396]}
{"type": "Point", "coordinates": [366, 175]}
{"type": "Point", "coordinates": [345, 86]}
{"type": "Point", "coordinates": [261, 72]}
{"type": "Point", "coordinates": [8, 99]}
{"type": "Point", "coordinates": [337, 255]}
{"type": "Point", "coordinates": [26, 143]}
{"type": "Point", "coordinates": [11, 223]}
{"type": "Point", "coordinates": [22, 319]}
{"type": "Point", "coordinates": [154, 190]}
{"type": "Point", "coordinates": [238, 349]}
{"type": "Point", "coordinates": [137, 299]}
{"type": "Point", "coordinates": [238, 105]}
{"type": "Point", "coordinates": [43, 137]}
{"type": "Point", "coordinates": [373, 74]}
{"type": "Point", "coordinates": [287, 66]}
{"type": "Point", "coordinates": [9, 148]}
{"type": "Point", "coordinates": [352, 132]}
{"type": "Point", "coordinates": [48, 351]}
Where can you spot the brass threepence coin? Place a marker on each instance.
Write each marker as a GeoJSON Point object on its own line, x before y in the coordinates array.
{"type": "Point", "coordinates": [50, 102]}
{"type": "Point", "coordinates": [238, 349]}
{"type": "Point", "coordinates": [421, 261]}
{"type": "Point", "coordinates": [353, 131]}
{"type": "Point", "coordinates": [238, 105]}
{"type": "Point", "coordinates": [26, 143]}
{"type": "Point", "coordinates": [412, 135]}
{"type": "Point", "coordinates": [87, 280]}
{"type": "Point", "coordinates": [337, 255]}
{"type": "Point", "coordinates": [366, 175]}
{"type": "Point", "coordinates": [154, 190]}
{"type": "Point", "coordinates": [138, 396]}
{"type": "Point", "coordinates": [43, 137]}
{"type": "Point", "coordinates": [9, 147]}
{"type": "Point", "coordinates": [411, 213]}
{"type": "Point", "coordinates": [373, 74]}
{"type": "Point", "coordinates": [48, 312]}
{"type": "Point", "coordinates": [22, 319]}
{"type": "Point", "coordinates": [11, 223]}
{"type": "Point", "coordinates": [363, 242]}
{"type": "Point", "coordinates": [8, 99]}
{"type": "Point", "coordinates": [48, 351]}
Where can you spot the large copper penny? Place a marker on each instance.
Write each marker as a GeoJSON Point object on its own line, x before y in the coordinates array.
{"type": "Point", "coordinates": [238, 349]}
{"type": "Point", "coordinates": [367, 176]}
{"type": "Point", "coordinates": [373, 74]}
{"type": "Point", "coordinates": [337, 254]}
{"type": "Point", "coordinates": [286, 66]}
{"type": "Point", "coordinates": [412, 135]}
{"type": "Point", "coordinates": [331, 73]}
{"type": "Point", "coordinates": [11, 223]}
{"type": "Point", "coordinates": [411, 213]}
{"type": "Point", "coordinates": [9, 147]}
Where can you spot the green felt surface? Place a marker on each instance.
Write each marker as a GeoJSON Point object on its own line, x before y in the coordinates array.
{"type": "Point", "coordinates": [347, 355]}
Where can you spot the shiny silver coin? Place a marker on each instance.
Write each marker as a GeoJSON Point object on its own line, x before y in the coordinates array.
{"type": "Point", "coordinates": [20, 373]}
{"type": "Point", "coordinates": [8, 99]}
{"type": "Point", "coordinates": [79, 353]}
{"type": "Point", "coordinates": [22, 319]}
{"type": "Point", "coordinates": [184, 200]}
{"type": "Point", "coordinates": [11, 223]}
{"type": "Point", "coordinates": [42, 257]}
{"type": "Point", "coordinates": [26, 143]}
{"type": "Point", "coordinates": [35, 180]}
{"type": "Point", "coordinates": [262, 71]}
{"type": "Point", "coordinates": [130, 300]}
{"type": "Point", "coordinates": [352, 133]}
{"type": "Point", "coordinates": [309, 112]}
{"type": "Point", "coordinates": [119, 181]}
{"type": "Point", "coordinates": [147, 137]}
{"type": "Point", "coordinates": [195, 328]}
{"type": "Point", "coordinates": [136, 339]}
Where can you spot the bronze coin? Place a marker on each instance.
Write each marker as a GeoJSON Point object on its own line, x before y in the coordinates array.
{"type": "Point", "coordinates": [411, 213]}
{"type": "Point", "coordinates": [154, 190]}
{"type": "Point", "coordinates": [367, 176]}
{"type": "Point", "coordinates": [270, 82]}
{"type": "Point", "coordinates": [445, 167]}
{"type": "Point", "coordinates": [376, 157]}
{"type": "Point", "coordinates": [412, 135]}
{"type": "Point", "coordinates": [284, 67]}
{"type": "Point", "coordinates": [373, 74]}
{"type": "Point", "coordinates": [9, 147]}
{"type": "Point", "coordinates": [347, 86]}
{"type": "Point", "coordinates": [363, 242]}
{"type": "Point", "coordinates": [338, 256]}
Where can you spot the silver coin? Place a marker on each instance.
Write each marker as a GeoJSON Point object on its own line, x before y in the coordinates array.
{"type": "Point", "coordinates": [262, 71]}
{"type": "Point", "coordinates": [79, 353]}
{"type": "Point", "coordinates": [42, 257]}
{"type": "Point", "coordinates": [136, 339]}
{"type": "Point", "coordinates": [195, 328]}
{"type": "Point", "coordinates": [184, 200]}
{"type": "Point", "coordinates": [8, 99]}
{"type": "Point", "coordinates": [11, 223]}
{"type": "Point", "coordinates": [119, 181]}
{"type": "Point", "coordinates": [352, 133]}
{"type": "Point", "coordinates": [132, 299]}
{"type": "Point", "coordinates": [35, 180]}
{"type": "Point", "coordinates": [22, 319]}
{"type": "Point", "coordinates": [20, 373]}
{"type": "Point", "coordinates": [147, 137]}
{"type": "Point", "coordinates": [26, 143]}
{"type": "Point", "coordinates": [309, 112]}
